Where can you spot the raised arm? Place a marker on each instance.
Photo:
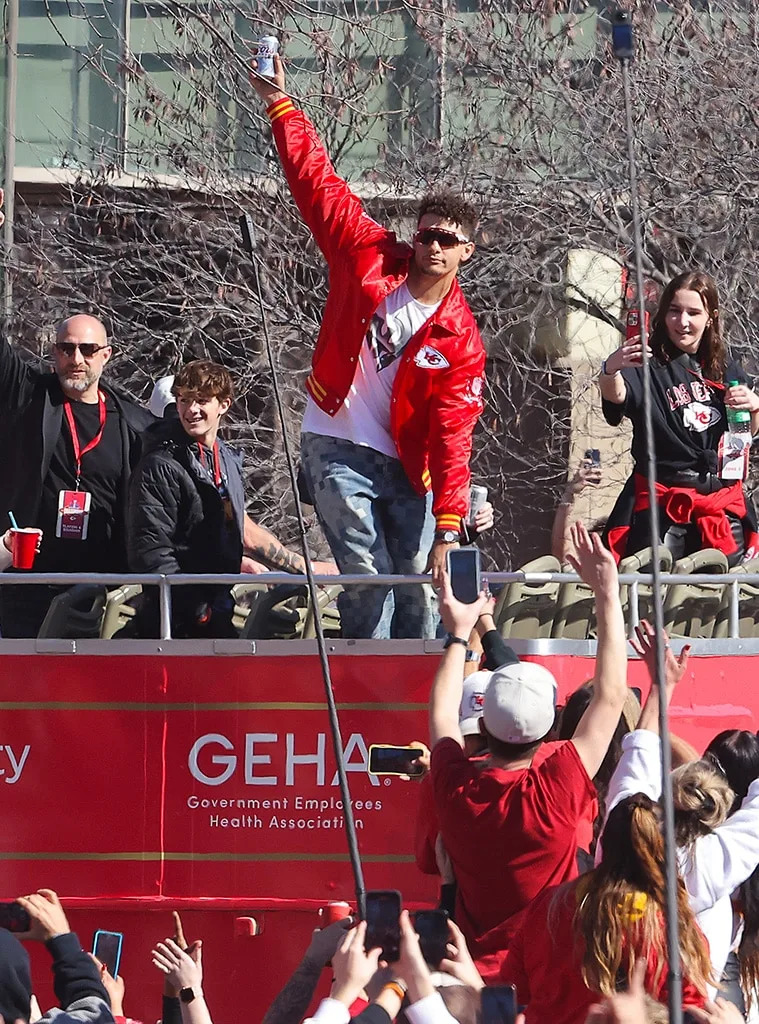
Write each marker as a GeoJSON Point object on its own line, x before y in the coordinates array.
{"type": "Point", "coordinates": [595, 565]}
{"type": "Point", "coordinates": [587, 474]}
{"type": "Point", "coordinates": [329, 207]}
{"type": "Point", "coordinates": [445, 697]}
{"type": "Point", "coordinates": [639, 767]}
{"type": "Point", "coordinates": [610, 380]}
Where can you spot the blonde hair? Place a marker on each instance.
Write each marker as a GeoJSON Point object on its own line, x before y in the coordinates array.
{"type": "Point", "coordinates": [702, 798]}
{"type": "Point", "coordinates": [619, 914]}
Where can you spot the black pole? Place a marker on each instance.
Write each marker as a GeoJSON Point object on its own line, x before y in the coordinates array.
{"type": "Point", "coordinates": [249, 242]}
{"type": "Point", "coordinates": [624, 49]}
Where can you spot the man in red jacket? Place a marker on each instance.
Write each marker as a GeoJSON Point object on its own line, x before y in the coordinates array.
{"type": "Point", "coordinates": [396, 384]}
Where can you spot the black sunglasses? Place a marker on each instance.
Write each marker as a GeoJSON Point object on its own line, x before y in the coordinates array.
{"type": "Point", "coordinates": [87, 348]}
{"type": "Point", "coordinates": [445, 239]}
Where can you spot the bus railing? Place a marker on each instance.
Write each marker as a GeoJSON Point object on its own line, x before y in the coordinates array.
{"type": "Point", "coordinates": [165, 582]}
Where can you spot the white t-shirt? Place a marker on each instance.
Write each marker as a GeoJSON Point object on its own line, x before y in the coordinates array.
{"type": "Point", "coordinates": [364, 417]}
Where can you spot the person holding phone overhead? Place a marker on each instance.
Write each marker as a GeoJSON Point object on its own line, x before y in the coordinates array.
{"type": "Point", "coordinates": [510, 824]}
{"type": "Point", "coordinates": [396, 386]}
{"type": "Point", "coordinates": [698, 394]}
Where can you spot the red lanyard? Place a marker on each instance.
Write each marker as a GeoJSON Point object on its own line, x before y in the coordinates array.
{"type": "Point", "coordinates": [712, 383]}
{"type": "Point", "coordinates": [216, 465]}
{"type": "Point", "coordinates": [79, 452]}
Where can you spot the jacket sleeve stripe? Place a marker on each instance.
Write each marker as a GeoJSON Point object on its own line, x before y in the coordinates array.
{"type": "Point", "coordinates": [278, 109]}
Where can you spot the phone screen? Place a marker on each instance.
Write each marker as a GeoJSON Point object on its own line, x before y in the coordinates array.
{"type": "Point", "coordinates": [464, 570]}
{"type": "Point", "coordinates": [499, 1004]}
{"type": "Point", "coordinates": [432, 928]}
{"type": "Point", "coordinates": [14, 917]}
{"type": "Point", "coordinates": [106, 946]}
{"type": "Point", "coordinates": [389, 760]}
{"type": "Point", "coordinates": [383, 908]}
{"type": "Point", "coordinates": [593, 455]}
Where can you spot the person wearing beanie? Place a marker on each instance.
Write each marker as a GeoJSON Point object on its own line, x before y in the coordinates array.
{"type": "Point", "coordinates": [509, 823]}
{"type": "Point", "coordinates": [15, 979]}
{"type": "Point", "coordinates": [76, 979]}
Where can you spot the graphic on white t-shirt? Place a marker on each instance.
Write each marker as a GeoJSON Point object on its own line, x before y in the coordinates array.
{"type": "Point", "coordinates": [364, 417]}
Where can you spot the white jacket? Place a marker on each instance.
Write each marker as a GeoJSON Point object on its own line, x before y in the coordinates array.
{"type": "Point", "coordinates": [715, 864]}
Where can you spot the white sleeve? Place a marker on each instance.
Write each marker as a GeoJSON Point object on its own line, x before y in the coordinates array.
{"type": "Point", "coordinates": [724, 859]}
{"type": "Point", "coordinates": [5, 556]}
{"type": "Point", "coordinates": [638, 771]}
{"type": "Point", "coordinates": [330, 1011]}
{"type": "Point", "coordinates": [430, 1010]}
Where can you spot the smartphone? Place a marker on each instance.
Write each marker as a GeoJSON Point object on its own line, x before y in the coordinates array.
{"type": "Point", "coordinates": [432, 928]}
{"type": "Point", "coordinates": [632, 329]}
{"type": "Point", "coordinates": [383, 908]}
{"type": "Point", "coordinates": [14, 917]}
{"type": "Point", "coordinates": [385, 759]}
{"type": "Point", "coordinates": [593, 455]}
{"type": "Point", "coordinates": [498, 1005]}
{"type": "Point", "coordinates": [463, 565]}
{"type": "Point", "coordinates": [106, 946]}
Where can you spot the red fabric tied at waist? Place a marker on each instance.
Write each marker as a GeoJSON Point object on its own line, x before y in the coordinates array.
{"type": "Point", "coordinates": [707, 511]}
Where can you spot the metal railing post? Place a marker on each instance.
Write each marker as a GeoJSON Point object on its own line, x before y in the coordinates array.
{"type": "Point", "coordinates": [164, 600]}
{"type": "Point", "coordinates": [735, 626]}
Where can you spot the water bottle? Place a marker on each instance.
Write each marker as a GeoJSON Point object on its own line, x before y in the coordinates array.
{"type": "Point", "coordinates": [738, 420]}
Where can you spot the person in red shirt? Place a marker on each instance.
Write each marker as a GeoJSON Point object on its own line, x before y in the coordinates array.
{"type": "Point", "coordinates": [396, 386]}
{"type": "Point", "coordinates": [509, 825]}
{"type": "Point", "coordinates": [578, 940]}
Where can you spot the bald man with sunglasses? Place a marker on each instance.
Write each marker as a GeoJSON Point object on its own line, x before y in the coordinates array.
{"type": "Point", "coordinates": [396, 385]}
{"type": "Point", "coordinates": [70, 441]}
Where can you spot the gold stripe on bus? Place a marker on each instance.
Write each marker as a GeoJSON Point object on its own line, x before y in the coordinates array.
{"type": "Point", "coordinates": [153, 855]}
{"type": "Point", "coordinates": [60, 705]}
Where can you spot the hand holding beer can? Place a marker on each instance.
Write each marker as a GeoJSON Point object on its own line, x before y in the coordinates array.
{"type": "Point", "coordinates": [267, 47]}
{"type": "Point", "coordinates": [477, 498]}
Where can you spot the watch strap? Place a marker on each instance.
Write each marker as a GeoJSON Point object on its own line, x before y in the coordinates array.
{"type": "Point", "coordinates": [451, 639]}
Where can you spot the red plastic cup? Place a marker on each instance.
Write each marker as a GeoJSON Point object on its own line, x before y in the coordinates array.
{"type": "Point", "coordinates": [334, 912]}
{"type": "Point", "coordinates": [24, 543]}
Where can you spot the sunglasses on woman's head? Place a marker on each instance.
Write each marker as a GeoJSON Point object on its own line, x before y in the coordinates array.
{"type": "Point", "coordinates": [87, 348]}
{"type": "Point", "coordinates": [445, 239]}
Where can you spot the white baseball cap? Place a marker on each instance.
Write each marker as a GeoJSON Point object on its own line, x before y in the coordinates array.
{"type": "Point", "coordinates": [161, 395]}
{"type": "Point", "coordinates": [520, 703]}
{"type": "Point", "coordinates": [472, 702]}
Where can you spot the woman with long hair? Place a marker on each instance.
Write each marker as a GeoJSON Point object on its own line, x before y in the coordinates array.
{"type": "Point", "coordinates": [699, 470]}
{"type": "Point", "coordinates": [735, 754]}
{"type": "Point", "coordinates": [716, 853]}
{"type": "Point", "coordinates": [582, 940]}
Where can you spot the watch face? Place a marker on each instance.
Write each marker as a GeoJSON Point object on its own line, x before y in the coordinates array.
{"type": "Point", "coordinates": [186, 995]}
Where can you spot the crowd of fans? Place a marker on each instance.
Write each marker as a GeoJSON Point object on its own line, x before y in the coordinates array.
{"type": "Point", "coordinates": [545, 829]}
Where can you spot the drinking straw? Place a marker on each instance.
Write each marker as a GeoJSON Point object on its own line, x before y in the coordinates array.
{"type": "Point", "coordinates": [12, 518]}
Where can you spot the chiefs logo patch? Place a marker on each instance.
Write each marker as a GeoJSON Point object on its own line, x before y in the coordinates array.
{"type": "Point", "coordinates": [428, 358]}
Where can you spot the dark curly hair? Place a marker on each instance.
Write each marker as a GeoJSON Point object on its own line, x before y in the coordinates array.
{"type": "Point", "coordinates": [452, 207]}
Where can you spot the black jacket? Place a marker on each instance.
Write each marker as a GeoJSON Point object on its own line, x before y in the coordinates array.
{"type": "Point", "coordinates": [31, 418]}
{"type": "Point", "coordinates": [175, 513]}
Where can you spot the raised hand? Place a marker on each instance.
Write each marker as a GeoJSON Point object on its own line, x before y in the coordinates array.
{"type": "Point", "coordinates": [592, 562]}
{"type": "Point", "coordinates": [675, 665]}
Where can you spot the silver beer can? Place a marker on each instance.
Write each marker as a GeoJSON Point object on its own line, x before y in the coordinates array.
{"type": "Point", "coordinates": [267, 47]}
{"type": "Point", "coordinates": [477, 498]}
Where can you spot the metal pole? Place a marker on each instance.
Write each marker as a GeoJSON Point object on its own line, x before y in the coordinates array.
{"type": "Point", "coordinates": [9, 152]}
{"type": "Point", "coordinates": [248, 235]}
{"type": "Point", "coordinates": [675, 981]}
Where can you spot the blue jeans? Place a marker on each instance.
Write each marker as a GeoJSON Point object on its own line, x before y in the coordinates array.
{"type": "Point", "coordinates": [374, 522]}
